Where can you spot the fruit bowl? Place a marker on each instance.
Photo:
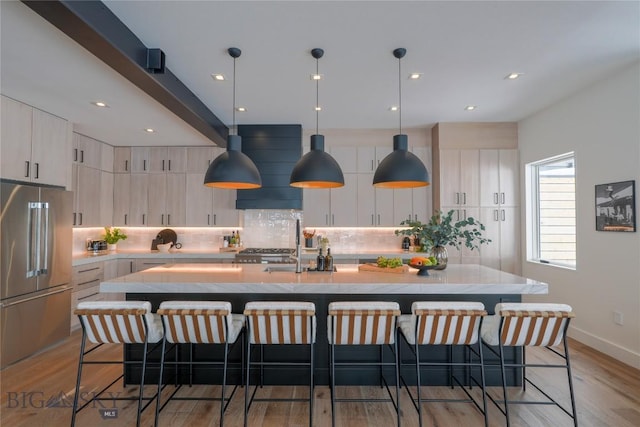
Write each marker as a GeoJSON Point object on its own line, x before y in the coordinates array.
{"type": "Point", "coordinates": [423, 270]}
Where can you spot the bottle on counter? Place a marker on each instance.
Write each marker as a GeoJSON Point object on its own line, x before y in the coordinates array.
{"type": "Point", "coordinates": [232, 242]}
{"type": "Point", "coordinates": [225, 242]}
{"type": "Point", "coordinates": [320, 260]}
{"type": "Point", "coordinates": [328, 261]}
{"type": "Point", "coordinates": [238, 241]}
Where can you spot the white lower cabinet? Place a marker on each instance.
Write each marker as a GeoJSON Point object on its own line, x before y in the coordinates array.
{"type": "Point", "coordinates": [85, 281]}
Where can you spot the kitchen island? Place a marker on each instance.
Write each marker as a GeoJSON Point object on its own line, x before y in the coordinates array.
{"type": "Point", "coordinates": [242, 283]}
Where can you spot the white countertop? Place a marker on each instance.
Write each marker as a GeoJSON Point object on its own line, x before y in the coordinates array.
{"type": "Point", "coordinates": [236, 278]}
{"type": "Point", "coordinates": [175, 255]}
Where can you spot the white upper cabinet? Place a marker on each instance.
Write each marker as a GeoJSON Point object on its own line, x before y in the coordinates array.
{"type": "Point", "coordinates": [499, 178]}
{"type": "Point", "coordinates": [140, 159]}
{"type": "Point", "coordinates": [370, 157]}
{"type": "Point", "coordinates": [167, 159]}
{"type": "Point", "coordinates": [346, 158]}
{"type": "Point", "coordinates": [199, 159]}
{"type": "Point", "coordinates": [122, 159]}
{"type": "Point", "coordinates": [35, 145]}
{"type": "Point", "coordinates": [459, 178]}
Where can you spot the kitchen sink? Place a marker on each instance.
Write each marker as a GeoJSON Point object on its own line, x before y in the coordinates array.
{"type": "Point", "coordinates": [274, 268]}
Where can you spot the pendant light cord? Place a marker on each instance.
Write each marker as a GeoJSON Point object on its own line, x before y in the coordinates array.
{"type": "Point", "coordinates": [400, 92]}
{"type": "Point", "coordinates": [317, 92]}
{"type": "Point", "coordinates": [234, 96]}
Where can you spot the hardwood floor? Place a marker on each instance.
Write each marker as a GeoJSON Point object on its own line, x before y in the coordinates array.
{"type": "Point", "coordinates": [35, 393]}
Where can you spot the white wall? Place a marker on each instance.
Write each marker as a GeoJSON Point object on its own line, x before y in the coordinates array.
{"type": "Point", "coordinates": [602, 125]}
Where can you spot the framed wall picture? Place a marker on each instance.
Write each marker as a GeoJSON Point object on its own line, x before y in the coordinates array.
{"type": "Point", "coordinates": [616, 206]}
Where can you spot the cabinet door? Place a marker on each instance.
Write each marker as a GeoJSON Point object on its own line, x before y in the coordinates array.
{"type": "Point", "coordinates": [15, 145]}
{"type": "Point", "coordinates": [140, 159]}
{"type": "Point", "coordinates": [176, 212]}
{"type": "Point", "coordinates": [176, 160]}
{"type": "Point", "coordinates": [121, 199]}
{"type": "Point", "coordinates": [225, 213]}
{"type": "Point", "coordinates": [510, 239]}
{"type": "Point", "coordinates": [422, 196]}
{"type": "Point", "coordinates": [384, 207]}
{"type": "Point", "coordinates": [50, 145]}
{"type": "Point", "coordinates": [138, 205]}
{"type": "Point", "coordinates": [366, 200]}
{"type": "Point", "coordinates": [346, 157]}
{"type": "Point", "coordinates": [402, 205]}
{"type": "Point", "coordinates": [199, 159]}
{"type": "Point", "coordinates": [469, 177]}
{"type": "Point", "coordinates": [490, 253]}
{"type": "Point", "coordinates": [157, 199]}
{"type": "Point", "coordinates": [106, 157]}
{"type": "Point", "coordinates": [509, 182]}
{"type": "Point", "coordinates": [366, 159]}
{"type": "Point", "coordinates": [317, 205]}
{"type": "Point", "coordinates": [344, 202]}
{"type": "Point", "coordinates": [106, 198]}
{"type": "Point", "coordinates": [122, 159]}
{"type": "Point", "coordinates": [157, 160]}
{"type": "Point", "coordinates": [88, 214]}
{"type": "Point", "coordinates": [489, 178]}
{"type": "Point", "coordinates": [449, 178]}
{"type": "Point", "coordinates": [470, 256]}
{"type": "Point", "coordinates": [199, 201]}
{"type": "Point", "coordinates": [87, 151]}
{"type": "Point", "coordinates": [125, 266]}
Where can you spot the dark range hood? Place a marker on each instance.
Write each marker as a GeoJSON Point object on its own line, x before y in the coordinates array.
{"type": "Point", "coordinates": [274, 149]}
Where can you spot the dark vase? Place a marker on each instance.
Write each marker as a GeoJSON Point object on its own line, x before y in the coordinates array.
{"type": "Point", "coordinates": [441, 255]}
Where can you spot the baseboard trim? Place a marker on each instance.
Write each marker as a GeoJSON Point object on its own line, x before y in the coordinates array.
{"type": "Point", "coordinates": [609, 348]}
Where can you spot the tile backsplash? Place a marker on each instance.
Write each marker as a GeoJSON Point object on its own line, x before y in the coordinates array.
{"type": "Point", "coordinates": [265, 228]}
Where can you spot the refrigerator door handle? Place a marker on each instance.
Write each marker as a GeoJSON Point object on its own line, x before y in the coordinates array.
{"type": "Point", "coordinates": [43, 268]}
{"type": "Point", "coordinates": [33, 240]}
{"type": "Point", "coordinates": [48, 294]}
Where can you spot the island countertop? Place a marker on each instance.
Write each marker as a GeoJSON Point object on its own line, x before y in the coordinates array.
{"type": "Point", "coordinates": [246, 279]}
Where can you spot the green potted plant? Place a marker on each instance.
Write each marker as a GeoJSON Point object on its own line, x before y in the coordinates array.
{"type": "Point", "coordinates": [112, 235]}
{"type": "Point", "coordinates": [441, 231]}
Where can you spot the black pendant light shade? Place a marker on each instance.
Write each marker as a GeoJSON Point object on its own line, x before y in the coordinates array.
{"type": "Point", "coordinates": [233, 169]}
{"type": "Point", "coordinates": [317, 169]}
{"type": "Point", "coordinates": [401, 168]}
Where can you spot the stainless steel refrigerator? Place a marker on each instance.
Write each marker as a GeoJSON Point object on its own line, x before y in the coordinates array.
{"type": "Point", "coordinates": [35, 257]}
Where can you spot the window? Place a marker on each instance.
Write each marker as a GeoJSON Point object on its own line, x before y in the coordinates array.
{"type": "Point", "coordinates": [551, 211]}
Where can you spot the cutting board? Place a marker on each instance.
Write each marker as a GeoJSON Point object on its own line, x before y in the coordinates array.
{"type": "Point", "coordinates": [376, 269]}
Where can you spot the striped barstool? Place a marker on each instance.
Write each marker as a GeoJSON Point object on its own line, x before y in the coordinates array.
{"type": "Point", "coordinates": [358, 323]}
{"type": "Point", "coordinates": [116, 322]}
{"type": "Point", "coordinates": [279, 323]}
{"type": "Point", "coordinates": [450, 324]}
{"type": "Point", "coordinates": [523, 325]}
{"type": "Point", "coordinates": [200, 322]}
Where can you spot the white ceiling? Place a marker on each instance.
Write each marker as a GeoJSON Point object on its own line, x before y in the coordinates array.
{"type": "Point", "coordinates": [463, 49]}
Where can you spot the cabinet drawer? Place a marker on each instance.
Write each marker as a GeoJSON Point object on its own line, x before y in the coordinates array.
{"type": "Point", "coordinates": [91, 293]}
{"type": "Point", "coordinates": [84, 275]}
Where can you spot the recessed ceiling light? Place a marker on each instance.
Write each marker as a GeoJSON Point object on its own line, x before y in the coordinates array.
{"type": "Point", "coordinates": [470, 107]}
{"type": "Point", "coordinates": [316, 76]}
{"type": "Point", "coordinates": [512, 76]}
{"type": "Point", "coordinates": [393, 108]}
{"type": "Point", "coordinates": [149, 130]}
{"type": "Point", "coordinates": [415, 76]}
{"type": "Point", "coordinates": [100, 104]}
{"type": "Point", "coordinates": [241, 109]}
{"type": "Point", "coordinates": [217, 77]}
{"type": "Point", "coordinates": [318, 108]}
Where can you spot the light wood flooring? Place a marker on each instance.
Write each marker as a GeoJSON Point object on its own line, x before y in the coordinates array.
{"type": "Point", "coordinates": [607, 394]}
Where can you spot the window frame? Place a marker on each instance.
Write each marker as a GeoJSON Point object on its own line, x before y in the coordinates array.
{"type": "Point", "coordinates": [532, 199]}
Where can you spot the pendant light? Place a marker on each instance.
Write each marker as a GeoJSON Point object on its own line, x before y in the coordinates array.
{"type": "Point", "coordinates": [233, 169]}
{"type": "Point", "coordinates": [317, 169]}
{"type": "Point", "coordinates": [401, 168]}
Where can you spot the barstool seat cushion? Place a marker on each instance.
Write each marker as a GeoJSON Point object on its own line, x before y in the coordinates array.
{"type": "Point", "coordinates": [302, 313]}
{"type": "Point", "coordinates": [407, 322]}
{"type": "Point", "coordinates": [235, 322]}
{"type": "Point", "coordinates": [357, 334]}
{"type": "Point", "coordinates": [133, 335]}
{"type": "Point", "coordinates": [490, 331]}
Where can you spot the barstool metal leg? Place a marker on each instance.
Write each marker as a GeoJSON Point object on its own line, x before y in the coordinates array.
{"type": "Point", "coordinates": [483, 382]}
{"type": "Point", "coordinates": [80, 360]}
{"type": "Point", "coordinates": [144, 367]}
{"type": "Point", "coordinates": [311, 386]}
{"type": "Point", "coordinates": [418, 381]}
{"type": "Point", "coordinates": [162, 356]}
{"type": "Point", "coordinates": [504, 383]}
{"type": "Point", "coordinates": [332, 374]}
{"type": "Point", "coordinates": [246, 389]}
{"type": "Point", "coordinates": [396, 354]}
{"type": "Point", "coordinates": [573, 399]}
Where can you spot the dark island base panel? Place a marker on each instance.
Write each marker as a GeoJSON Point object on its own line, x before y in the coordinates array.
{"type": "Point", "coordinates": [284, 375]}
